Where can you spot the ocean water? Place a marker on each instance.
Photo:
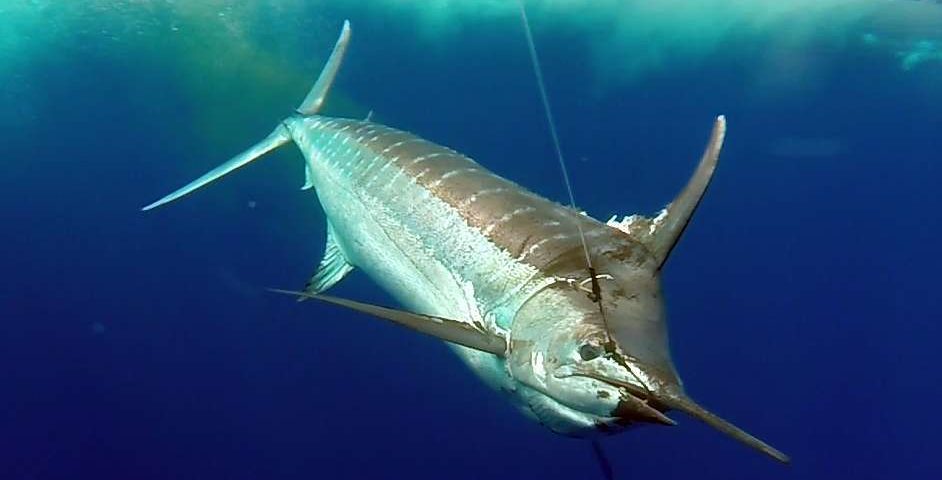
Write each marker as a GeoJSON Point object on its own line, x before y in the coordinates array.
{"type": "Point", "coordinates": [803, 300]}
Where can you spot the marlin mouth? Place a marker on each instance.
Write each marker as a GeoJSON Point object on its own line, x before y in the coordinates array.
{"type": "Point", "coordinates": [640, 401]}
{"type": "Point", "coordinates": [634, 399]}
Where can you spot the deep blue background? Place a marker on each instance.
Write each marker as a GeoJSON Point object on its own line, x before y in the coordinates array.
{"type": "Point", "coordinates": [803, 299]}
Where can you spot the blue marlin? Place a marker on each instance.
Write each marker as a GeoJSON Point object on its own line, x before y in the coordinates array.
{"type": "Point", "coordinates": [497, 271]}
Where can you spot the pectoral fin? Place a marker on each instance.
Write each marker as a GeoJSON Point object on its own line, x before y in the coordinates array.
{"type": "Point", "coordinates": [454, 331]}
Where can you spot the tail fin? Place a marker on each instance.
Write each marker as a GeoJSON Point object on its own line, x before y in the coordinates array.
{"type": "Point", "coordinates": [277, 138]}
{"type": "Point", "coordinates": [315, 98]}
{"type": "Point", "coordinates": [310, 106]}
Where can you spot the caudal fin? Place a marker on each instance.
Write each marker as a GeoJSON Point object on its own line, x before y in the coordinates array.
{"type": "Point", "coordinates": [310, 106]}
{"type": "Point", "coordinates": [277, 138]}
{"type": "Point", "coordinates": [315, 98]}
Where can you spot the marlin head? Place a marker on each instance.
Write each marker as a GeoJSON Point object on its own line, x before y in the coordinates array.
{"type": "Point", "coordinates": [564, 346]}
{"type": "Point", "coordinates": [596, 342]}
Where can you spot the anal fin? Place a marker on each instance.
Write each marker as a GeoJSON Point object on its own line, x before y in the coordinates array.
{"type": "Point", "coordinates": [308, 177]}
{"type": "Point", "coordinates": [333, 267]}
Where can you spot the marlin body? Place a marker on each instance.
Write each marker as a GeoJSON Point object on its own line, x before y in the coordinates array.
{"type": "Point", "coordinates": [560, 311]}
{"type": "Point", "coordinates": [446, 237]}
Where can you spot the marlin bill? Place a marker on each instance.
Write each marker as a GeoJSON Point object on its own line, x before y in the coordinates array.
{"type": "Point", "coordinates": [562, 312]}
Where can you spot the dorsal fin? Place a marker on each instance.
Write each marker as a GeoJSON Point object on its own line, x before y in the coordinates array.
{"type": "Point", "coordinates": [680, 211]}
{"type": "Point", "coordinates": [333, 267]}
{"type": "Point", "coordinates": [638, 227]}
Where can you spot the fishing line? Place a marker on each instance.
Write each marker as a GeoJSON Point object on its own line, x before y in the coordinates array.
{"type": "Point", "coordinates": [552, 127]}
{"type": "Point", "coordinates": [596, 295]}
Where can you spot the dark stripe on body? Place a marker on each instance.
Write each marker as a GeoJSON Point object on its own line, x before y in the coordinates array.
{"type": "Point", "coordinates": [539, 232]}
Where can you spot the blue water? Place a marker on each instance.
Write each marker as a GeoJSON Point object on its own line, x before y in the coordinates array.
{"type": "Point", "coordinates": [803, 298]}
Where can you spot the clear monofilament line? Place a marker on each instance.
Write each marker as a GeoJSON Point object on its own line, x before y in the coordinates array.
{"type": "Point", "coordinates": [537, 70]}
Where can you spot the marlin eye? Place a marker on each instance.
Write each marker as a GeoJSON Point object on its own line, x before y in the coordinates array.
{"type": "Point", "coordinates": [588, 351]}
